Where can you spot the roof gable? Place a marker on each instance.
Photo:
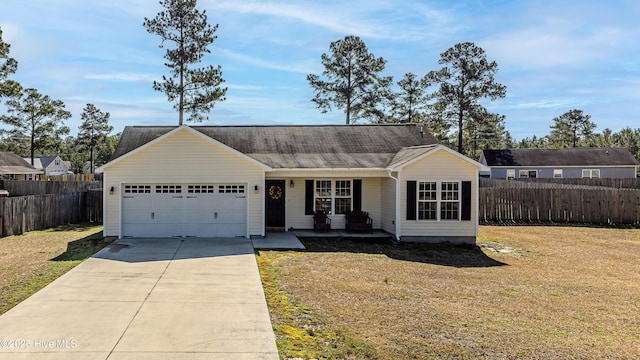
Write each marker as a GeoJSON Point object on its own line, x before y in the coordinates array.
{"type": "Point", "coordinates": [163, 135]}
{"type": "Point", "coordinates": [284, 147]}
{"type": "Point", "coordinates": [408, 156]}
{"type": "Point", "coordinates": [560, 157]}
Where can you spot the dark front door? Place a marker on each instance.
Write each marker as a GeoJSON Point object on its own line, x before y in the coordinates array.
{"type": "Point", "coordinates": [274, 192]}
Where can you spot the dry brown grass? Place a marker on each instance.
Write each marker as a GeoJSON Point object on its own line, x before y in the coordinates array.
{"type": "Point", "coordinates": [531, 292]}
{"type": "Point", "coordinates": [29, 261]}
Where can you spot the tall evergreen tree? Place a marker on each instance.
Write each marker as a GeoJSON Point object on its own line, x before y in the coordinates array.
{"type": "Point", "coordinates": [195, 89]}
{"type": "Point", "coordinates": [410, 103]}
{"type": "Point", "coordinates": [93, 130]}
{"type": "Point", "coordinates": [351, 81]}
{"type": "Point", "coordinates": [8, 66]}
{"type": "Point", "coordinates": [38, 117]}
{"type": "Point", "coordinates": [466, 78]}
{"type": "Point", "coordinates": [485, 131]}
{"type": "Point", "coordinates": [106, 149]}
{"type": "Point", "coordinates": [571, 127]}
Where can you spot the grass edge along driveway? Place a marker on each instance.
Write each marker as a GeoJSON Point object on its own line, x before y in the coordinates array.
{"type": "Point", "coordinates": [31, 261]}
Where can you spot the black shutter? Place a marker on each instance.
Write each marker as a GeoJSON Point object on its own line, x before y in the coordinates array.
{"type": "Point", "coordinates": [411, 200]}
{"type": "Point", "coordinates": [308, 197]}
{"type": "Point", "coordinates": [466, 200]}
{"type": "Point", "coordinates": [357, 195]}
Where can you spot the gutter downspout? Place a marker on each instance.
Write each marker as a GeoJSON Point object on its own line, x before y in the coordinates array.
{"type": "Point", "coordinates": [397, 197]}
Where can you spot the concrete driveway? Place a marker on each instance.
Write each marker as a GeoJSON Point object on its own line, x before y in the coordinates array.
{"type": "Point", "coordinates": [148, 299]}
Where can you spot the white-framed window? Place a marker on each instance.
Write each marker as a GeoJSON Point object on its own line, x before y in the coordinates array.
{"type": "Point", "coordinates": [591, 173]}
{"type": "Point", "coordinates": [511, 174]}
{"type": "Point", "coordinates": [428, 200]}
{"type": "Point", "coordinates": [333, 196]}
{"type": "Point", "coordinates": [557, 173]}
{"type": "Point", "coordinates": [201, 189]}
{"type": "Point", "coordinates": [525, 174]}
{"type": "Point", "coordinates": [137, 189]}
{"type": "Point", "coordinates": [438, 200]}
{"type": "Point", "coordinates": [231, 189]}
{"type": "Point", "coordinates": [57, 162]}
{"type": "Point", "coordinates": [168, 189]}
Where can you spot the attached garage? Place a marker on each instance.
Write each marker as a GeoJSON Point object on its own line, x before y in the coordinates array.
{"type": "Point", "coordinates": [184, 210]}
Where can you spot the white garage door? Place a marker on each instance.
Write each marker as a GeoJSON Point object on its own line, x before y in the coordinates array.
{"type": "Point", "coordinates": [168, 210]}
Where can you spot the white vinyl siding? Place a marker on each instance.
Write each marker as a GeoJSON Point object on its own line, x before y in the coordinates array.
{"type": "Point", "coordinates": [440, 167]}
{"type": "Point", "coordinates": [185, 158]}
{"type": "Point", "coordinates": [388, 201]}
{"type": "Point", "coordinates": [295, 202]}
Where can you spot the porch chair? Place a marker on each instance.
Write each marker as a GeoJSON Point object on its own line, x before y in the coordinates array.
{"type": "Point", "coordinates": [321, 222]}
{"type": "Point", "coordinates": [358, 221]}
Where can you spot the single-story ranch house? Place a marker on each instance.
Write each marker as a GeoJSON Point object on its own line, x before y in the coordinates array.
{"type": "Point", "coordinates": [560, 163]}
{"type": "Point", "coordinates": [228, 181]}
{"type": "Point", "coordinates": [14, 167]}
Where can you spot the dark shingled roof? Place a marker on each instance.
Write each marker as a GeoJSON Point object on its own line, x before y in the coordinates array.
{"type": "Point", "coordinates": [560, 157]}
{"type": "Point", "coordinates": [301, 146]}
{"type": "Point", "coordinates": [45, 160]}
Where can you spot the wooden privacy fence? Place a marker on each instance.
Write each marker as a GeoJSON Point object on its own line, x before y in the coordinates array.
{"type": "Point", "coordinates": [629, 183]}
{"type": "Point", "coordinates": [36, 212]}
{"type": "Point", "coordinates": [29, 187]}
{"type": "Point", "coordinates": [532, 205]}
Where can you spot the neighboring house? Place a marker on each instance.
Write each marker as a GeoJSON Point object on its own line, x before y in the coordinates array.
{"type": "Point", "coordinates": [15, 167]}
{"type": "Point", "coordinates": [227, 181]}
{"type": "Point", "coordinates": [52, 165]}
{"type": "Point", "coordinates": [560, 163]}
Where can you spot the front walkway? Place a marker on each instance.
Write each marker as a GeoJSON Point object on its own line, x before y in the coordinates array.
{"type": "Point", "coordinates": [148, 299]}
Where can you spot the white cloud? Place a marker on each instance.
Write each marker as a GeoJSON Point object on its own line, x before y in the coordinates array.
{"type": "Point", "coordinates": [122, 77]}
{"type": "Point", "coordinates": [261, 62]}
{"type": "Point", "coordinates": [372, 19]}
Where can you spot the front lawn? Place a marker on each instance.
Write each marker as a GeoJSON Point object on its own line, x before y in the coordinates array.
{"type": "Point", "coordinates": [30, 261]}
{"type": "Point", "coordinates": [524, 292]}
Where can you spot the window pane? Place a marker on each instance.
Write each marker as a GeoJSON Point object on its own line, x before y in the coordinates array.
{"type": "Point", "coordinates": [427, 191]}
{"type": "Point", "coordinates": [343, 205]}
{"type": "Point", "coordinates": [586, 173]}
{"type": "Point", "coordinates": [449, 211]}
{"type": "Point", "coordinates": [324, 205]}
{"type": "Point", "coordinates": [343, 188]}
{"type": "Point", "coordinates": [449, 191]}
{"type": "Point", "coordinates": [557, 173]}
{"type": "Point", "coordinates": [323, 188]}
{"type": "Point", "coordinates": [427, 210]}
{"type": "Point", "coordinates": [595, 173]}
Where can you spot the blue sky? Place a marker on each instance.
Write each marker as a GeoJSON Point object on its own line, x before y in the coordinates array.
{"type": "Point", "coordinates": [553, 56]}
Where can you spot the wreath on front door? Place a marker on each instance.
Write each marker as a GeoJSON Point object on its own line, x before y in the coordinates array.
{"type": "Point", "coordinates": [275, 192]}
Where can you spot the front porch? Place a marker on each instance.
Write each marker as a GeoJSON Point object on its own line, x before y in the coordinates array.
{"type": "Point", "coordinates": [280, 240]}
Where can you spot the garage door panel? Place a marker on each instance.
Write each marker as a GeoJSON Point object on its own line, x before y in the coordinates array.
{"type": "Point", "coordinates": [200, 202]}
{"type": "Point", "coordinates": [230, 216]}
{"type": "Point", "coordinates": [153, 229]}
{"type": "Point", "coordinates": [138, 216]}
{"type": "Point", "coordinates": [200, 216]}
{"type": "Point", "coordinates": [185, 210]}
